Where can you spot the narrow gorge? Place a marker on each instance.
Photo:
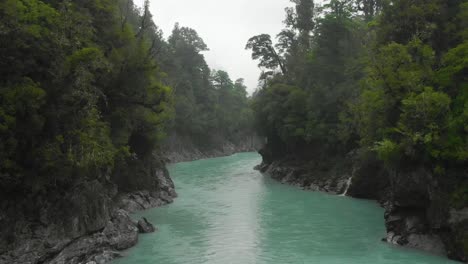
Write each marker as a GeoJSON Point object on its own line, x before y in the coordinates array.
{"type": "Point", "coordinates": [118, 119]}
{"type": "Point", "coordinates": [227, 212]}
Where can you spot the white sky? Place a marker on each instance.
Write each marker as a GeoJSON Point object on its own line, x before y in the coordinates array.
{"type": "Point", "coordinates": [225, 26]}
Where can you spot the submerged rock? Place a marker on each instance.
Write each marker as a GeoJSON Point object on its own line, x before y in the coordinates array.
{"type": "Point", "coordinates": [144, 226]}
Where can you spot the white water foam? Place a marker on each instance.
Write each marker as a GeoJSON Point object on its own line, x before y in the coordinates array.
{"type": "Point", "coordinates": [348, 183]}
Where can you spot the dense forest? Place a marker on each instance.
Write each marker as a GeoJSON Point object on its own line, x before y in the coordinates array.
{"type": "Point", "coordinates": [91, 86]}
{"type": "Point", "coordinates": [89, 91]}
{"type": "Point", "coordinates": [377, 82]}
{"type": "Point", "coordinates": [211, 109]}
{"type": "Point", "coordinates": [367, 98]}
{"type": "Point", "coordinates": [81, 91]}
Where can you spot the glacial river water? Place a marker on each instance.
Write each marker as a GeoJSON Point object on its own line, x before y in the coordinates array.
{"type": "Point", "coordinates": [227, 213]}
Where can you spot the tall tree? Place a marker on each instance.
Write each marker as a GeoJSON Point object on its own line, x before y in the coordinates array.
{"type": "Point", "coordinates": [263, 50]}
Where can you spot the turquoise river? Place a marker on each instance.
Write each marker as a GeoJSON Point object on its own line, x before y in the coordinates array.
{"type": "Point", "coordinates": [227, 213]}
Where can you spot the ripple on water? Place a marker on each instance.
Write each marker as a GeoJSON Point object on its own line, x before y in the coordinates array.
{"type": "Point", "coordinates": [227, 213]}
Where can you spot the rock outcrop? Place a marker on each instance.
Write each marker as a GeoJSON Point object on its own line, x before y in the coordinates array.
{"type": "Point", "coordinates": [144, 226]}
{"type": "Point", "coordinates": [163, 193]}
{"type": "Point", "coordinates": [419, 214]}
{"type": "Point", "coordinates": [89, 223]}
{"type": "Point", "coordinates": [309, 176]}
{"type": "Point", "coordinates": [418, 209]}
{"type": "Point", "coordinates": [119, 233]}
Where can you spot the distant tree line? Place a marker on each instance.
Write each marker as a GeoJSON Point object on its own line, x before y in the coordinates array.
{"type": "Point", "coordinates": [208, 103]}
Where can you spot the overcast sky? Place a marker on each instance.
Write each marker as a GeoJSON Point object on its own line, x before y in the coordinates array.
{"type": "Point", "coordinates": [225, 26]}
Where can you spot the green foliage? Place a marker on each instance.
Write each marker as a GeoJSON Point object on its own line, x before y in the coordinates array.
{"type": "Point", "coordinates": [20, 120]}
{"type": "Point", "coordinates": [388, 151]}
{"type": "Point", "coordinates": [187, 38]}
{"type": "Point", "coordinates": [452, 78]}
{"type": "Point", "coordinates": [304, 20]}
{"type": "Point", "coordinates": [462, 18]}
{"type": "Point", "coordinates": [382, 76]}
{"type": "Point", "coordinates": [417, 117]}
{"type": "Point", "coordinates": [399, 69]}
{"type": "Point", "coordinates": [208, 104]}
{"type": "Point", "coordinates": [454, 63]}
{"type": "Point", "coordinates": [423, 121]}
{"type": "Point", "coordinates": [92, 146]}
{"type": "Point", "coordinates": [321, 73]}
{"type": "Point", "coordinates": [81, 90]}
{"type": "Point", "coordinates": [402, 20]}
{"type": "Point", "coordinates": [369, 7]}
{"type": "Point", "coordinates": [263, 50]}
{"type": "Point", "coordinates": [281, 109]}
{"type": "Point", "coordinates": [369, 116]}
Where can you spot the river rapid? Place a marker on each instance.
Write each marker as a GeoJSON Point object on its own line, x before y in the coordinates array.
{"type": "Point", "coordinates": [228, 213]}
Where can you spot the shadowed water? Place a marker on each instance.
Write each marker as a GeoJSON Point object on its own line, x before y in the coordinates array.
{"type": "Point", "coordinates": [228, 213]}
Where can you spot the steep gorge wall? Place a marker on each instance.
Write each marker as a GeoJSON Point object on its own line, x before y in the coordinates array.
{"type": "Point", "coordinates": [420, 211]}
{"type": "Point", "coordinates": [89, 221]}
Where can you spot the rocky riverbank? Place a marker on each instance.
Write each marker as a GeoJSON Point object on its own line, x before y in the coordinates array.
{"type": "Point", "coordinates": [180, 149]}
{"type": "Point", "coordinates": [334, 181]}
{"type": "Point", "coordinates": [420, 213]}
{"type": "Point", "coordinates": [418, 209]}
{"type": "Point", "coordinates": [89, 224]}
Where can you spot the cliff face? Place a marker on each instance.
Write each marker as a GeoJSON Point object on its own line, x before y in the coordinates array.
{"type": "Point", "coordinates": [419, 213]}
{"type": "Point", "coordinates": [179, 148]}
{"type": "Point", "coordinates": [309, 176]}
{"type": "Point", "coordinates": [419, 207]}
{"type": "Point", "coordinates": [89, 221]}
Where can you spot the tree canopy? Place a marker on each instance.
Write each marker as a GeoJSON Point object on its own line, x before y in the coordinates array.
{"type": "Point", "coordinates": [380, 76]}
{"type": "Point", "coordinates": [90, 89]}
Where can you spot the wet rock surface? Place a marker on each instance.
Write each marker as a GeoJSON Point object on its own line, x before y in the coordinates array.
{"type": "Point", "coordinates": [417, 210]}
{"type": "Point", "coordinates": [144, 226]}
{"type": "Point", "coordinates": [418, 214]}
{"type": "Point", "coordinates": [334, 181]}
{"type": "Point", "coordinates": [120, 233]}
{"type": "Point", "coordinates": [90, 224]}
